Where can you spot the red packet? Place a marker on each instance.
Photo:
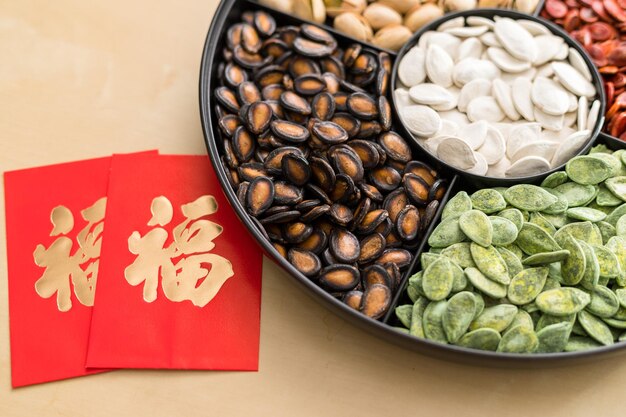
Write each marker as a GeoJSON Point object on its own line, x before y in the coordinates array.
{"type": "Point", "coordinates": [183, 277]}
{"type": "Point", "coordinates": [54, 219]}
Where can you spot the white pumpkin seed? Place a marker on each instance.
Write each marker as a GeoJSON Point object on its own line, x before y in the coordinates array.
{"type": "Point", "coordinates": [515, 39]}
{"type": "Point", "coordinates": [548, 46]}
{"type": "Point", "coordinates": [594, 112]}
{"type": "Point", "coordinates": [484, 108]}
{"type": "Point", "coordinates": [476, 88]}
{"type": "Point", "coordinates": [583, 113]}
{"type": "Point", "coordinates": [577, 61]}
{"type": "Point", "coordinates": [471, 68]}
{"type": "Point", "coordinates": [573, 80]}
{"type": "Point", "coordinates": [527, 166]}
{"type": "Point", "coordinates": [505, 61]}
{"type": "Point", "coordinates": [470, 48]}
{"type": "Point", "coordinates": [421, 120]}
{"type": "Point", "coordinates": [430, 94]}
{"type": "Point", "coordinates": [549, 97]}
{"type": "Point", "coordinates": [493, 147]}
{"type": "Point", "coordinates": [412, 70]}
{"type": "Point", "coordinates": [521, 93]}
{"type": "Point", "coordinates": [457, 153]}
{"type": "Point", "coordinates": [570, 147]}
{"type": "Point", "coordinates": [439, 66]}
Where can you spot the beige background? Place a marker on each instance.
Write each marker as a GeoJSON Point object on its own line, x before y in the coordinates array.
{"type": "Point", "coordinates": [82, 79]}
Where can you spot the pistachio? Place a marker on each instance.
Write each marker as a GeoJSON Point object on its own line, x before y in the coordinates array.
{"type": "Point", "coordinates": [353, 25]}
{"type": "Point", "coordinates": [392, 37]}
{"type": "Point", "coordinates": [378, 16]}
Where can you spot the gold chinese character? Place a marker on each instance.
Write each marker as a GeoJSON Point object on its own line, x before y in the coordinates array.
{"type": "Point", "coordinates": [188, 270]}
{"type": "Point", "coordinates": [62, 266]}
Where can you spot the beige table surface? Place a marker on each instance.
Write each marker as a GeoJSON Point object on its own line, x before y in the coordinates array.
{"type": "Point", "coordinates": [82, 79]}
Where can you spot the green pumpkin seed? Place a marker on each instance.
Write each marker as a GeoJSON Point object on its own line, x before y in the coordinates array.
{"type": "Point", "coordinates": [498, 317]}
{"type": "Point", "coordinates": [595, 328]}
{"type": "Point", "coordinates": [551, 282]}
{"type": "Point", "coordinates": [484, 284]}
{"type": "Point", "coordinates": [577, 329]}
{"type": "Point", "coordinates": [615, 323]}
{"type": "Point", "coordinates": [518, 340]}
{"type": "Point", "coordinates": [458, 315]}
{"type": "Point", "coordinates": [459, 282]}
{"type": "Point", "coordinates": [457, 205]}
{"type": "Point", "coordinates": [620, 227]}
{"type": "Point", "coordinates": [617, 245]}
{"type": "Point", "coordinates": [573, 268]}
{"type": "Point", "coordinates": [620, 293]}
{"type": "Point", "coordinates": [529, 197]}
{"type": "Point", "coordinates": [546, 258]}
{"type": "Point", "coordinates": [522, 318]}
{"type": "Point", "coordinates": [403, 313]}
{"type": "Point", "coordinates": [515, 250]}
{"type": "Point", "coordinates": [460, 254]}
{"type": "Point", "coordinates": [606, 230]}
{"type": "Point", "coordinates": [433, 326]}
{"type": "Point", "coordinates": [413, 293]}
{"type": "Point", "coordinates": [562, 301]}
{"type": "Point", "coordinates": [504, 231]}
{"type": "Point", "coordinates": [417, 317]}
{"type": "Point", "coordinates": [606, 198]}
{"type": "Point", "coordinates": [592, 268]}
{"type": "Point", "coordinates": [581, 231]}
{"type": "Point", "coordinates": [527, 285]}
{"type": "Point", "coordinates": [621, 314]}
{"type": "Point", "coordinates": [617, 185]}
{"type": "Point", "coordinates": [438, 279]}
{"type": "Point", "coordinates": [604, 302]}
{"type": "Point", "coordinates": [428, 258]}
{"type": "Point", "coordinates": [586, 214]}
{"type": "Point", "coordinates": [587, 170]}
{"type": "Point", "coordinates": [580, 343]}
{"type": "Point", "coordinates": [513, 263]}
{"type": "Point", "coordinates": [533, 239]}
{"type": "Point", "coordinates": [482, 339]}
{"type": "Point", "coordinates": [557, 220]}
{"type": "Point", "coordinates": [553, 338]}
{"type": "Point", "coordinates": [531, 308]}
{"type": "Point", "coordinates": [616, 214]}
{"type": "Point", "coordinates": [490, 263]}
{"type": "Point", "coordinates": [555, 179]}
{"type": "Point", "coordinates": [577, 194]}
{"type": "Point", "coordinates": [554, 274]}
{"type": "Point", "coordinates": [446, 233]}
{"type": "Point", "coordinates": [541, 221]}
{"type": "Point", "coordinates": [476, 226]}
{"type": "Point", "coordinates": [480, 304]}
{"type": "Point", "coordinates": [513, 215]}
{"type": "Point", "coordinates": [488, 201]}
{"type": "Point", "coordinates": [611, 161]}
{"type": "Point", "coordinates": [601, 148]}
{"type": "Point", "coordinates": [609, 265]}
{"type": "Point", "coordinates": [548, 320]}
{"type": "Point", "coordinates": [561, 204]}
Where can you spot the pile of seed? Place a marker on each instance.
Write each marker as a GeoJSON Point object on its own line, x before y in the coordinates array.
{"type": "Point", "coordinates": [308, 146]}
{"type": "Point", "coordinates": [528, 269]}
{"type": "Point", "coordinates": [600, 27]}
{"type": "Point", "coordinates": [502, 98]}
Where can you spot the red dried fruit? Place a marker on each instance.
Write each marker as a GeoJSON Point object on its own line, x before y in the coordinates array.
{"type": "Point", "coordinates": [572, 20]}
{"type": "Point", "coordinates": [587, 15]}
{"type": "Point", "coordinates": [619, 124]}
{"type": "Point", "coordinates": [601, 31]}
{"type": "Point", "coordinates": [556, 8]}
{"type": "Point", "coordinates": [614, 10]}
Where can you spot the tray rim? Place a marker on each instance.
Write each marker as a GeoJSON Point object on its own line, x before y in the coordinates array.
{"type": "Point", "coordinates": [382, 330]}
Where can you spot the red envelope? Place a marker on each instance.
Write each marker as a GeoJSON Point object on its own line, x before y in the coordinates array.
{"type": "Point", "coordinates": [183, 277]}
{"type": "Point", "coordinates": [54, 219]}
